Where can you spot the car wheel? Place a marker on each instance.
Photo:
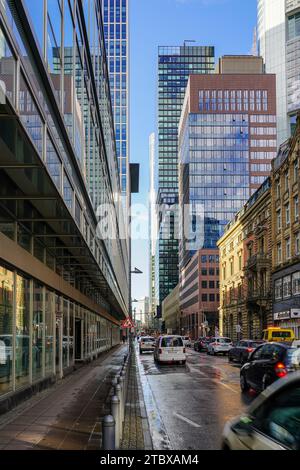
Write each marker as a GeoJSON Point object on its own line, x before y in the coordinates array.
{"type": "Point", "coordinates": [243, 383]}
{"type": "Point", "coordinates": [141, 351]}
{"type": "Point", "coordinates": [230, 358]}
{"type": "Point", "coordinates": [241, 359]}
{"type": "Point", "coordinates": [213, 352]}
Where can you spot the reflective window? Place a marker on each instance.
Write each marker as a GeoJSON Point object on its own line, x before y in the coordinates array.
{"type": "Point", "coordinates": [49, 333]}
{"type": "Point", "coordinates": [6, 329]}
{"type": "Point", "coordinates": [22, 331]}
{"type": "Point", "coordinates": [35, 10]}
{"type": "Point", "coordinates": [53, 163]}
{"type": "Point", "coordinates": [30, 116]}
{"type": "Point", "coordinates": [7, 70]}
{"type": "Point", "coordinates": [37, 331]}
{"type": "Point", "coordinates": [65, 344]}
{"type": "Point", "coordinates": [54, 59]}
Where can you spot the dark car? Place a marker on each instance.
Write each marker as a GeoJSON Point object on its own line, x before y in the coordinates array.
{"type": "Point", "coordinates": [201, 344]}
{"type": "Point", "coordinates": [240, 352]}
{"type": "Point", "coordinates": [267, 363]}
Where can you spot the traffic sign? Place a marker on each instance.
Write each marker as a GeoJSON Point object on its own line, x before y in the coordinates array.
{"type": "Point", "coordinates": [127, 323]}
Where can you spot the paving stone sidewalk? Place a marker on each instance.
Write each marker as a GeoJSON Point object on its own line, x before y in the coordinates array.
{"type": "Point", "coordinates": [136, 434]}
{"type": "Point", "coordinates": [68, 415]}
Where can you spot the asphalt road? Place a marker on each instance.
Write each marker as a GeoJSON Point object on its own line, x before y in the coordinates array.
{"type": "Point", "coordinates": [187, 406]}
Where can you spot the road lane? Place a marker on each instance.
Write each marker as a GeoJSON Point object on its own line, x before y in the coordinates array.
{"type": "Point", "coordinates": [190, 404]}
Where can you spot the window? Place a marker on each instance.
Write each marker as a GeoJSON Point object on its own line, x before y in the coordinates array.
{"type": "Point", "coordinates": [287, 213]}
{"type": "Point", "coordinates": [278, 188]}
{"type": "Point", "coordinates": [288, 248]}
{"type": "Point", "coordinates": [286, 180]}
{"type": "Point", "coordinates": [296, 283]}
{"type": "Point", "coordinates": [279, 253]}
{"type": "Point", "coordinates": [240, 261]}
{"type": "Point", "coordinates": [297, 243]}
{"type": "Point", "coordinates": [296, 207]}
{"type": "Point", "coordinates": [296, 169]}
{"type": "Point", "coordinates": [204, 284]}
{"type": "Point", "coordinates": [279, 417]}
{"type": "Point", "coordinates": [204, 297]}
{"type": "Point", "coordinates": [278, 289]}
{"type": "Point", "coordinates": [278, 215]}
{"type": "Point", "coordinates": [286, 287]}
{"type": "Point", "coordinates": [231, 266]}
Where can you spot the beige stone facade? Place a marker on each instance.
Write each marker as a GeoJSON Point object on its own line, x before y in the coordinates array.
{"type": "Point", "coordinates": [245, 269]}
{"type": "Point", "coordinates": [171, 312]}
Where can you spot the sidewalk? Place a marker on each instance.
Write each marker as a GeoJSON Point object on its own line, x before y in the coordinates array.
{"type": "Point", "coordinates": [136, 434]}
{"type": "Point", "coordinates": [68, 415]}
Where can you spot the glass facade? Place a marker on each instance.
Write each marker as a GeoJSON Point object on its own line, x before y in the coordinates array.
{"type": "Point", "coordinates": [115, 18]}
{"type": "Point", "coordinates": [62, 297]}
{"type": "Point", "coordinates": [175, 64]}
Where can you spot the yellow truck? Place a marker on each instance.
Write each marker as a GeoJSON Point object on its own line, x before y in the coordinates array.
{"type": "Point", "coordinates": [278, 334]}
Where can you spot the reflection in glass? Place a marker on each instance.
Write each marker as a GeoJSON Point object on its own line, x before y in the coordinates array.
{"type": "Point", "coordinates": [65, 344]}
{"type": "Point", "coordinates": [22, 331]}
{"type": "Point", "coordinates": [71, 333]}
{"type": "Point", "coordinates": [7, 70]}
{"type": "Point", "coordinates": [30, 116]}
{"type": "Point", "coordinates": [53, 163]}
{"type": "Point", "coordinates": [6, 329]}
{"type": "Point", "coordinates": [37, 331]}
{"type": "Point", "coordinates": [49, 331]}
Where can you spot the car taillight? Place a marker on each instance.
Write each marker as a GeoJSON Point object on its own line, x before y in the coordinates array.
{"type": "Point", "coordinates": [160, 351]}
{"type": "Point", "coordinates": [183, 350]}
{"type": "Point", "coordinates": [249, 350]}
{"type": "Point", "coordinates": [280, 370]}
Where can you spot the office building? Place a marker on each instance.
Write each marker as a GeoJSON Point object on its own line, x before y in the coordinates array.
{"type": "Point", "coordinates": [175, 65]}
{"type": "Point", "coordinates": [64, 281]}
{"type": "Point", "coordinates": [279, 45]}
{"type": "Point", "coordinates": [152, 226]}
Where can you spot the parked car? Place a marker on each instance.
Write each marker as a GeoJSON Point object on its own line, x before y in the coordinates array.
{"type": "Point", "coordinates": [147, 343]}
{"type": "Point", "coordinates": [201, 344]}
{"type": "Point", "coordinates": [267, 363]}
{"type": "Point", "coordinates": [170, 349]}
{"type": "Point", "coordinates": [186, 341]}
{"type": "Point", "coordinates": [219, 345]}
{"type": "Point", "coordinates": [276, 333]}
{"type": "Point", "coordinates": [240, 352]}
{"type": "Point", "coordinates": [271, 423]}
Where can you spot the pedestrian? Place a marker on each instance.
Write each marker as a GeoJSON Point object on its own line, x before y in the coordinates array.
{"type": "Point", "coordinates": [123, 339]}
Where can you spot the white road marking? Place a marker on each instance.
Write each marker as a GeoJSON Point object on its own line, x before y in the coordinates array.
{"type": "Point", "coordinates": [183, 418]}
{"type": "Point", "coordinates": [225, 385]}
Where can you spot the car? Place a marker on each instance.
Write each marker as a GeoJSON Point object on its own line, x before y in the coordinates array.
{"type": "Point", "coordinates": [186, 341]}
{"type": "Point", "coordinates": [276, 333]}
{"type": "Point", "coordinates": [219, 345]}
{"type": "Point", "coordinates": [241, 350]}
{"type": "Point", "coordinates": [147, 343]}
{"type": "Point", "coordinates": [268, 363]}
{"type": "Point", "coordinates": [170, 349]}
{"type": "Point", "coordinates": [201, 344]}
{"type": "Point", "coordinates": [296, 343]}
{"type": "Point", "coordinates": [271, 423]}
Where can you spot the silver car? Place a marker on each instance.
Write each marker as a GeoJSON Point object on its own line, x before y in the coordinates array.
{"type": "Point", "coordinates": [272, 421]}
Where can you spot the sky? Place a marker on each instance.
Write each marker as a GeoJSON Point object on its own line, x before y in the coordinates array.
{"type": "Point", "coordinates": [226, 24]}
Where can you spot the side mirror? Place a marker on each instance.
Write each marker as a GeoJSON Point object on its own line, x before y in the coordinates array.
{"type": "Point", "coordinates": [242, 429]}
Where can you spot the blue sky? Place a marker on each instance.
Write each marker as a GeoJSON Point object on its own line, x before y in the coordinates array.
{"type": "Point", "coordinates": [226, 24]}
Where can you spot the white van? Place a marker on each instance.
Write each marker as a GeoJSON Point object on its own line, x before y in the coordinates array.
{"type": "Point", "coordinates": [170, 349]}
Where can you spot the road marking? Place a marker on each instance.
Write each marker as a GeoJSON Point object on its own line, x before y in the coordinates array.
{"type": "Point", "coordinates": [183, 418]}
{"type": "Point", "coordinates": [225, 385]}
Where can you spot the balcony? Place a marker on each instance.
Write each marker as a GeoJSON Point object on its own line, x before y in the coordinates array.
{"type": "Point", "coordinates": [258, 262]}
{"type": "Point", "coordinates": [259, 297]}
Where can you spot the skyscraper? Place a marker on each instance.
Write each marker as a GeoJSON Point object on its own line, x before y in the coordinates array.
{"type": "Point", "coordinates": [279, 45]}
{"type": "Point", "coordinates": [175, 64]}
{"type": "Point", "coordinates": [115, 18]}
{"type": "Point", "coordinates": [152, 226]}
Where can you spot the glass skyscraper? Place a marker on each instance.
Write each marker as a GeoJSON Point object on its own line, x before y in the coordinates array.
{"type": "Point", "coordinates": [175, 64]}
{"type": "Point", "coordinates": [115, 18]}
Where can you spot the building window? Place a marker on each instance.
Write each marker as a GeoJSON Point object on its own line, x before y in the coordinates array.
{"type": "Point", "coordinates": [211, 284]}
{"type": "Point", "coordinates": [288, 248]}
{"type": "Point", "coordinates": [204, 297]}
{"type": "Point", "coordinates": [296, 207]}
{"type": "Point", "coordinates": [224, 271]}
{"type": "Point", "coordinates": [297, 243]}
{"type": "Point", "coordinates": [287, 213]}
{"type": "Point", "coordinates": [286, 180]}
{"type": "Point", "coordinates": [211, 297]}
{"type": "Point", "coordinates": [286, 287]}
{"type": "Point", "coordinates": [296, 283]}
{"type": "Point", "coordinates": [279, 219]}
{"type": "Point", "coordinates": [240, 261]}
{"type": "Point", "coordinates": [204, 284]}
{"type": "Point", "coordinates": [278, 189]}
{"type": "Point", "coordinates": [279, 253]}
{"type": "Point", "coordinates": [231, 267]}
{"type": "Point", "coordinates": [296, 169]}
{"type": "Point", "coordinates": [278, 289]}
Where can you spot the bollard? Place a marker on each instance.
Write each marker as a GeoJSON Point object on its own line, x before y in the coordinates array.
{"type": "Point", "coordinates": [108, 433]}
{"type": "Point", "coordinates": [115, 411]}
{"type": "Point", "coordinates": [118, 393]}
{"type": "Point", "coordinates": [122, 385]}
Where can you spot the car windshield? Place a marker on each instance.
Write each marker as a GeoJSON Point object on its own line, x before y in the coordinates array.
{"type": "Point", "coordinates": [281, 334]}
{"type": "Point", "coordinates": [171, 342]}
{"type": "Point", "coordinates": [255, 344]}
{"type": "Point", "coordinates": [224, 340]}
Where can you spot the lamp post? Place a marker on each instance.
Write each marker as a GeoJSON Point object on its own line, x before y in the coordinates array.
{"type": "Point", "coordinates": [135, 271]}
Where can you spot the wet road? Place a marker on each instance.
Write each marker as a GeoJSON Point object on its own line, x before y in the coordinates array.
{"type": "Point", "coordinates": [188, 405]}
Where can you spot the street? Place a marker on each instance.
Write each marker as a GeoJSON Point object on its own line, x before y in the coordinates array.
{"type": "Point", "coordinates": [188, 405]}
